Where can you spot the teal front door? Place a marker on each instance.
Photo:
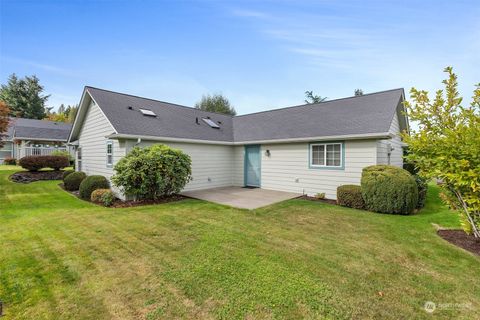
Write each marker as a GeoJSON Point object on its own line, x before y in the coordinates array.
{"type": "Point", "coordinates": [252, 166]}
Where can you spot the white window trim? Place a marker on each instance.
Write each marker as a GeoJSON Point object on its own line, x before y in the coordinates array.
{"type": "Point", "coordinates": [325, 155]}
{"type": "Point", "coordinates": [79, 159]}
{"type": "Point", "coordinates": [109, 142]}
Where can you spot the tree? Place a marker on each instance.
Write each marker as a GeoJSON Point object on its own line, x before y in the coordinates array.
{"type": "Point", "coordinates": [312, 98]}
{"type": "Point", "coordinates": [24, 97]}
{"type": "Point", "coordinates": [63, 114]}
{"type": "Point", "coordinates": [4, 121]}
{"type": "Point", "coordinates": [216, 103]}
{"type": "Point", "coordinates": [446, 146]}
{"type": "Point", "coordinates": [358, 92]}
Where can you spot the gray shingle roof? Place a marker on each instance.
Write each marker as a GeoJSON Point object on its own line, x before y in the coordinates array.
{"type": "Point", "coordinates": [172, 120]}
{"type": "Point", "coordinates": [38, 129]}
{"type": "Point", "coordinates": [367, 114]}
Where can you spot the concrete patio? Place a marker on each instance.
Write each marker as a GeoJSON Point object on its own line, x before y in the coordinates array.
{"type": "Point", "coordinates": [243, 198]}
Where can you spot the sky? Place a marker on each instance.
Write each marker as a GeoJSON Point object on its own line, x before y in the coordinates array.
{"type": "Point", "coordinates": [259, 54]}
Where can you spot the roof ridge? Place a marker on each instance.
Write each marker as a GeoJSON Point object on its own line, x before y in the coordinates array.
{"type": "Point", "coordinates": [320, 103]}
{"type": "Point", "coordinates": [156, 100]}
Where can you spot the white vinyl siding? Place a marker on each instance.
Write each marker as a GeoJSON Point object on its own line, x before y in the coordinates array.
{"type": "Point", "coordinates": [396, 157]}
{"type": "Point", "coordinates": [212, 165]}
{"type": "Point", "coordinates": [287, 168]}
{"type": "Point", "coordinates": [238, 166]}
{"type": "Point", "coordinates": [92, 140]}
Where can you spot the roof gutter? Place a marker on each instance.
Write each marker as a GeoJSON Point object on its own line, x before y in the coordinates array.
{"type": "Point", "coordinates": [382, 135]}
{"type": "Point", "coordinates": [39, 139]}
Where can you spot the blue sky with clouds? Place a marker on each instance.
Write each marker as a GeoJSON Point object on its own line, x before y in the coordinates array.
{"type": "Point", "coordinates": [260, 54]}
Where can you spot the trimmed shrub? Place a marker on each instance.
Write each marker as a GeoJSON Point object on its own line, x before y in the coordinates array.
{"type": "Point", "coordinates": [66, 173]}
{"type": "Point", "coordinates": [422, 186]}
{"type": "Point", "coordinates": [103, 196]}
{"type": "Point", "coordinates": [10, 161]}
{"type": "Point", "coordinates": [153, 172]}
{"type": "Point", "coordinates": [73, 180]}
{"type": "Point", "coordinates": [108, 199]}
{"type": "Point", "coordinates": [35, 163]}
{"type": "Point", "coordinates": [389, 189]}
{"type": "Point", "coordinates": [92, 183]}
{"type": "Point", "coordinates": [350, 196]}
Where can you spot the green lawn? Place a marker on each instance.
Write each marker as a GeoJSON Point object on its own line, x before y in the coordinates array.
{"type": "Point", "coordinates": [63, 258]}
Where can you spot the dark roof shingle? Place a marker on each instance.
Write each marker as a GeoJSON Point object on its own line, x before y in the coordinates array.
{"type": "Point", "coordinates": [360, 115]}
{"type": "Point", "coordinates": [38, 129]}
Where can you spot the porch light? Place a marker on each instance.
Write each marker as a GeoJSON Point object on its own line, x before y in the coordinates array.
{"type": "Point", "coordinates": [267, 153]}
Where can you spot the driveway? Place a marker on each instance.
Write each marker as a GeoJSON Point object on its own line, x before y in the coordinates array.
{"type": "Point", "coordinates": [243, 198]}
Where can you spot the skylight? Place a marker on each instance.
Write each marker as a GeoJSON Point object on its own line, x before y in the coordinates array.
{"type": "Point", "coordinates": [147, 112]}
{"type": "Point", "coordinates": [211, 123]}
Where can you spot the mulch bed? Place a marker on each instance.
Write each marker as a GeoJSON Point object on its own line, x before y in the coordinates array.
{"type": "Point", "coordinates": [329, 201]}
{"type": "Point", "coordinates": [130, 203]}
{"type": "Point", "coordinates": [461, 239]}
{"type": "Point", "coordinates": [28, 177]}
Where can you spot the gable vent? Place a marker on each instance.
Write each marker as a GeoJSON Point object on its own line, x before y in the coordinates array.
{"type": "Point", "coordinates": [148, 113]}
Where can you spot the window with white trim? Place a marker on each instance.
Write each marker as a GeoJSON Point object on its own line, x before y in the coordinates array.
{"type": "Point", "coordinates": [79, 159]}
{"type": "Point", "coordinates": [326, 155]}
{"type": "Point", "coordinates": [109, 153]}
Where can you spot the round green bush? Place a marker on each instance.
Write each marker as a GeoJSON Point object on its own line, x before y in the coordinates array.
{"type": "Point", "coordinates": [92, 183]}
{"type": "Point", "coordinates": [153, 172]}
{"type": "Point", "coordinates": [67, 173]}
{"type": "Point", "coordinates": [350, 196]}
{"type": "Point", "coordinates": [73, 180]}
{"type": "Point", "coordinates": [389, 189]}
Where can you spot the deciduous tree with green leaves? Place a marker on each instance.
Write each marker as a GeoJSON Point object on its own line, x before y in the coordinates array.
{"type": "Point", "coordinates": [24, 97]}
{"type": "Point", "coordinates": [215, 103]}
{"type": "Point", "coordinates": [446, 146]}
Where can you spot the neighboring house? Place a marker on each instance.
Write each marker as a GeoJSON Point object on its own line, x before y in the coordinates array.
{"type": "Point", "coordinates": [26, 137]}
{"type": "Point", "coordinates": [305, 149]}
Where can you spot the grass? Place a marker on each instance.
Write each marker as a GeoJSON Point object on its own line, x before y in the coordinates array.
{"type": "Point", "coordinates": [64, 258]}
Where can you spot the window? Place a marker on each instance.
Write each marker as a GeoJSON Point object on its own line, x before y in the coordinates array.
{"type": "Point", "coordinates": [147, 112]}
{"type": "Point", "coordinates": [211, 123]}
{"type": "Point", "coordinates": [79, 159]}
{"type": "Point", "coordinates": [109, 154]}
{"type": "Point", "coordinates": [327, 155]}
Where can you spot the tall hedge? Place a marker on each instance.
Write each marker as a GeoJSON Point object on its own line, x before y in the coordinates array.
{"type": "Point", "coordinates": [389, 189]}
{"type": "Point", "coordinates": [153, 172]}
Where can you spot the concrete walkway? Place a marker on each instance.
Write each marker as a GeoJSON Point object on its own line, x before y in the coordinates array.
{"type": "Point", "coordinates": [243, 198]}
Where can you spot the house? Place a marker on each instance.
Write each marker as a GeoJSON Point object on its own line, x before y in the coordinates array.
{"type": "Point", "coordinates": [306, 149]}
{"type": "Point", "coordinates": [26, 137]}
